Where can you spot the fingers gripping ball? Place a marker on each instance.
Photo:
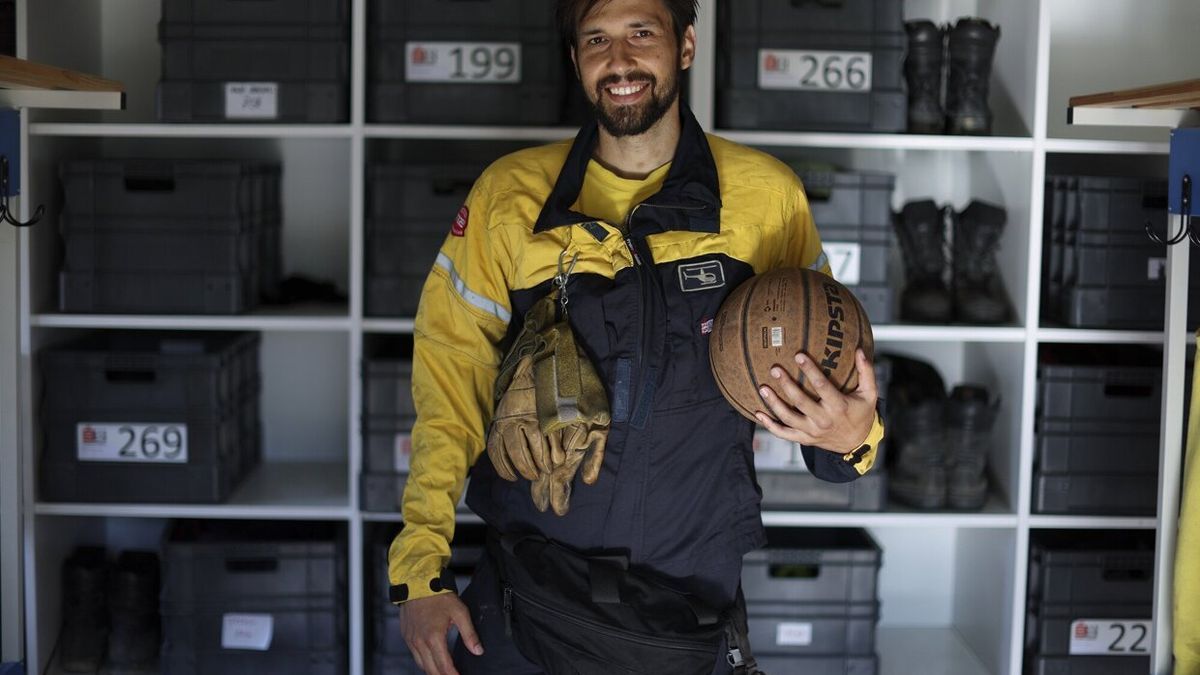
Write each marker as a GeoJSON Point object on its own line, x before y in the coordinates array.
{"type": "Point", "coordinates": [772, 316]}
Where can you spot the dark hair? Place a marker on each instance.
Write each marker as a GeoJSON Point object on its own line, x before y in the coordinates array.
{"type": "Point", "coordinates": [570, 12]}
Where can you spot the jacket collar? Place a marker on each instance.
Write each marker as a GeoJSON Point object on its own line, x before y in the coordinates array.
{"type": "Point", "coordinates": [688, 200]}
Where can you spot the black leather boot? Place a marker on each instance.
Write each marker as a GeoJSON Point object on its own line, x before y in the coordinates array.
{"type": "Point", "coordinates": [85, 610]}
{"type": "Point", "coordinates": [969, 416]}
{"type": "Point", "coordinates": [921, 233]}
{"type": "Point", "coordinates": [136, 636]}
{"type": "Point", "coordinates": [923, 65]}
{"type": "Point", "coordinates": [972, 46]}
{"type": "Point", "coordinates": [979, 294]}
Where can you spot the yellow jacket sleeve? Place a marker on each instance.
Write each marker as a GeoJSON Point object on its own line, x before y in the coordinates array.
{"type": "Point", "coordinates": [1187, 553]}
{"type": "Point", "coordinates": [463, 315]}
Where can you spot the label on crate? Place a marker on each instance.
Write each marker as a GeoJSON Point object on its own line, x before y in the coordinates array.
{"type": "Point", "coordinates": [1156, 269]}
{"type": "Point", "coordinates": [792, 634]}
{"type": "Point", "coordinates": [814, 71]}
{"type": "Point", "coordinates": [463, 62]}
{"type": "Point", "coordinates": [1111, 637]}
{"type": "Point", "coordinates": [131, 442]}
{"type": "Point", "coordinates": [845, 259]}
{"type": "Point", "coordinates": [247, 631]}
{"type": "Point", "coordinates": [251, 100]}
{"type": "Point", "coordinates": [403, 451]}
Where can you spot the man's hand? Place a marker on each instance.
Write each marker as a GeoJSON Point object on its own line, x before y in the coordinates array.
{"type": "Point", "coordinates": [425, 622]}
{"type": "Point", "coordinates": [837, 422]}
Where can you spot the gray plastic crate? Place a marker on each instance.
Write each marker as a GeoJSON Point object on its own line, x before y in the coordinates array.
{"type": "Point", "coordinates": [183, 191]}
{"type": "Point", "coordinates": [432, 192]}
{"type": "Point", "coordinates": [382, 438]}
{"type": "Point", "coordinates": [210, 562]}
{"type": "Point", "coordinates": [536, 98]}
{"type": "Point", "coordinates": [143, 246]}
{"type": "Point", "coordinates": [1050, 625]}
{"type": "Point", "coordinates": [1090, 665]}
{"type": "Point", "coordinates": [850, 199]}
{"type": "Point", "coordinates": [387, 387]}
{"type": "Point", "coordinates": [1103, 567]}
{"type": "Point", "coordinates": [200, 101]}
{"type": "Point", "coordinates": [1067, 446]}
{"type": "Point", "coordinates": [298, 623]}
{"type": "Point", "coordinates": [267, 12]}
{"type": "Point", "coordinates": [184, 660]}
{"type": "Point", "coordinates": [1096, 494]}
{"type": "Point", "coordinates": [1101, 390]}
{"type": "Point", "coordinates": [791, 490]}
{"type": "Point", "coordinates": [156, 292]}
{"type": "Point", "coordinates": [813, 565]}
{"type": "Point", "coordinates": [407, 249]}
{"type": "Point", "coordinates": [819, 665]}
{"type": "Point", "coordinates": [259, 60]}
{"type": "Point", "coordinates": [1119, 308]}
{"type": "Point", "coordinates": [393, 664]}
{"type": "Point", "coordinates": [877, 300]}
{"type": "Point", "coordinates": [749, 26]}
{"type": "Point", "coordinates": [807, 628]}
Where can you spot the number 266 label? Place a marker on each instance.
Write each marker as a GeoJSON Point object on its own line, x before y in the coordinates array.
{"type": "Point", "coordinates": [814, 71]}
{"type": "Point", "coordinates": [1110, 637]}
{"type": "Point", "coordinates": [129, 442]}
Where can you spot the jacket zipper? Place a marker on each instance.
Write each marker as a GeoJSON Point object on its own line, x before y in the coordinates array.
{"type": "Point", "coordinates": [670, 643]}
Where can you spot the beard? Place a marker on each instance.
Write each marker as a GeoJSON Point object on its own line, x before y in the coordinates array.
{"type": "Point", "coordinates": [634, 120]}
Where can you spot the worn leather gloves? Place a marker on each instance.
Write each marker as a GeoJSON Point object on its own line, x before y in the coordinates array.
{"type": "Point", "coordinates": [552, 416]}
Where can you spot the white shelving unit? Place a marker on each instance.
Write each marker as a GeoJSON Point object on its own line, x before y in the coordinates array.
{"type": "Point", "coordinates": [952, 584]}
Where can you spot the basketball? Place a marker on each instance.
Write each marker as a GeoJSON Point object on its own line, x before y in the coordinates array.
{"type": "Point", "coordinates": [768, 319]}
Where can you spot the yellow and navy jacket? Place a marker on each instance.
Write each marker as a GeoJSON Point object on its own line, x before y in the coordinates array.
{"type": "Point", "coordinates": [677, 491]}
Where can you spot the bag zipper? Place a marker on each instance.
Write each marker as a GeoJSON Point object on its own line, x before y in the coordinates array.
{"type": "Point", "coordinates": [670, 643]}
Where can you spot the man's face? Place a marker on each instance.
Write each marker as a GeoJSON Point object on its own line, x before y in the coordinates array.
{"type": "Point", "coordinates": [630, 63]}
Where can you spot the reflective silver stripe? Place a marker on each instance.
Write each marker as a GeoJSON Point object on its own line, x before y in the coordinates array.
{"type": "Point", "coordinates": [822, 260]}
{"type": "Point", "coordinates": [490, 306]}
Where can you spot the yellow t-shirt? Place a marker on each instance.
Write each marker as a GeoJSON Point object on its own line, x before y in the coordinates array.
{"type": "Point", "coordinates": [607, 196]}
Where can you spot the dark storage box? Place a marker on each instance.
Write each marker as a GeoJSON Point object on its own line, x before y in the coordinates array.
{"type": "Point", "coordinates": [257, 60]}
{"type": "Point", "coordinates": [800, 490]}
{"type": "Point", "coordinates": [754, 34]}
{"type": "Point", "coordinates": [203, 101]}
{"type": "Point", "coordinates": [813, 565]}
{"type": "Point", "coordinates": [266, 12]}
{"type": "Point", "coordinates": [535, 96]}
{"type": "Point", "coordinates": [806, 628]}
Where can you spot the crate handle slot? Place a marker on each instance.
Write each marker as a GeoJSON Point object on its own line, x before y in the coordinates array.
{"type": "Point", "coordinates": [149, 183]}
{"type": "Point", "coordinates": [825, 3]}
{"type": "Point", "coordinates": [448, 186]}
{"type": "Point", "coordinates": [252, 565]}
{"type": "Point", "coordinates": [1112, 390]}
{"type": "Point", "coordinates": [793, 571]}
{"type": "Point", "coordinates": [130, 376]}
{"type": "Point", "coordinates": [1125, 574]}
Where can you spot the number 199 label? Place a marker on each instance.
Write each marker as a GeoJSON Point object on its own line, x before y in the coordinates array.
{"type": "Point", "coordinates": [814, 71]}
{"type": "Point", "coordinates": [463, 62]}
{"type": "Point", "coordinates": [149, 443]}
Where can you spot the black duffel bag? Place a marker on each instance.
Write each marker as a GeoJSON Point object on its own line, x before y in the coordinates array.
{"type": "Point", "coordinates": [587, 615]}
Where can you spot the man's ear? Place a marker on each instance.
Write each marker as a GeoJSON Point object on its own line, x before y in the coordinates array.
{"type": "Point", "coordinates": [687, 48]}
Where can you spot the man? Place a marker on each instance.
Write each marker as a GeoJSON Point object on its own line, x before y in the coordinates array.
{"type": "Point", "coordinates": [637, 200]}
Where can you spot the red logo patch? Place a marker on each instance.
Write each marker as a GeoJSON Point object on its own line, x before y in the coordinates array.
{"type": "Point", "coordinates": [460, 222]}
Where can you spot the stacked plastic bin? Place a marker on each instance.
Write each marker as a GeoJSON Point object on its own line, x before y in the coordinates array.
{"type": "Point", "coordinates": [8, 27]}
{"type": "Point", "coordinates": [385, 644]}
{"type": "Point", "coordinates": [261, 61]}
{"type": "Point", "coordinates": [452, 62]}
{"type": "Point", "coordinates": [169, 236]}
{"type": "Point", "coordinates": [150, 417]}
{"type": "Point", "coordinates": [253, 598]}
{"type": "Point", "coordinates": [1099, 267]}
{"type": "Point", "coordinates": [411, 210]}
{"type": "Point", "coordinates": [387, 419]}
{"type": "Point", "coordinates": [853, 214]}
{"type": "Point", "coordinates": [810, 66]}
{"type": "Point", "coordinates": [1097, 430]}
{"type": "Point", "coordinates": [787, 484]}
{"type": "Point", "coordinates": [812, 602]}
{"type": "Point", "coordinates": [1089, 603]}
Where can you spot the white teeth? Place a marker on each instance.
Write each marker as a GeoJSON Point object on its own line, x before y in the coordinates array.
{"type": "Point", "coordinates": [626, 91]}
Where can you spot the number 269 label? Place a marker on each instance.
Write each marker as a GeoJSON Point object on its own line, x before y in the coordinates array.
{"type": "Point", "coordinates": [151, 443]}
{"type": "Point", "coordinates": [814, 71]}
{"type": "Point", "coordinates": [1110, 637]}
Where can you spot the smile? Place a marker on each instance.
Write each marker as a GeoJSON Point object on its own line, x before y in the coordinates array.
{"type": "Point", "coordinates": [627, 90]}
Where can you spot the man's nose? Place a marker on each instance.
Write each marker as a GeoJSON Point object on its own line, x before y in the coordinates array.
{"type": "Point", "coordinates": [620, 58]}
